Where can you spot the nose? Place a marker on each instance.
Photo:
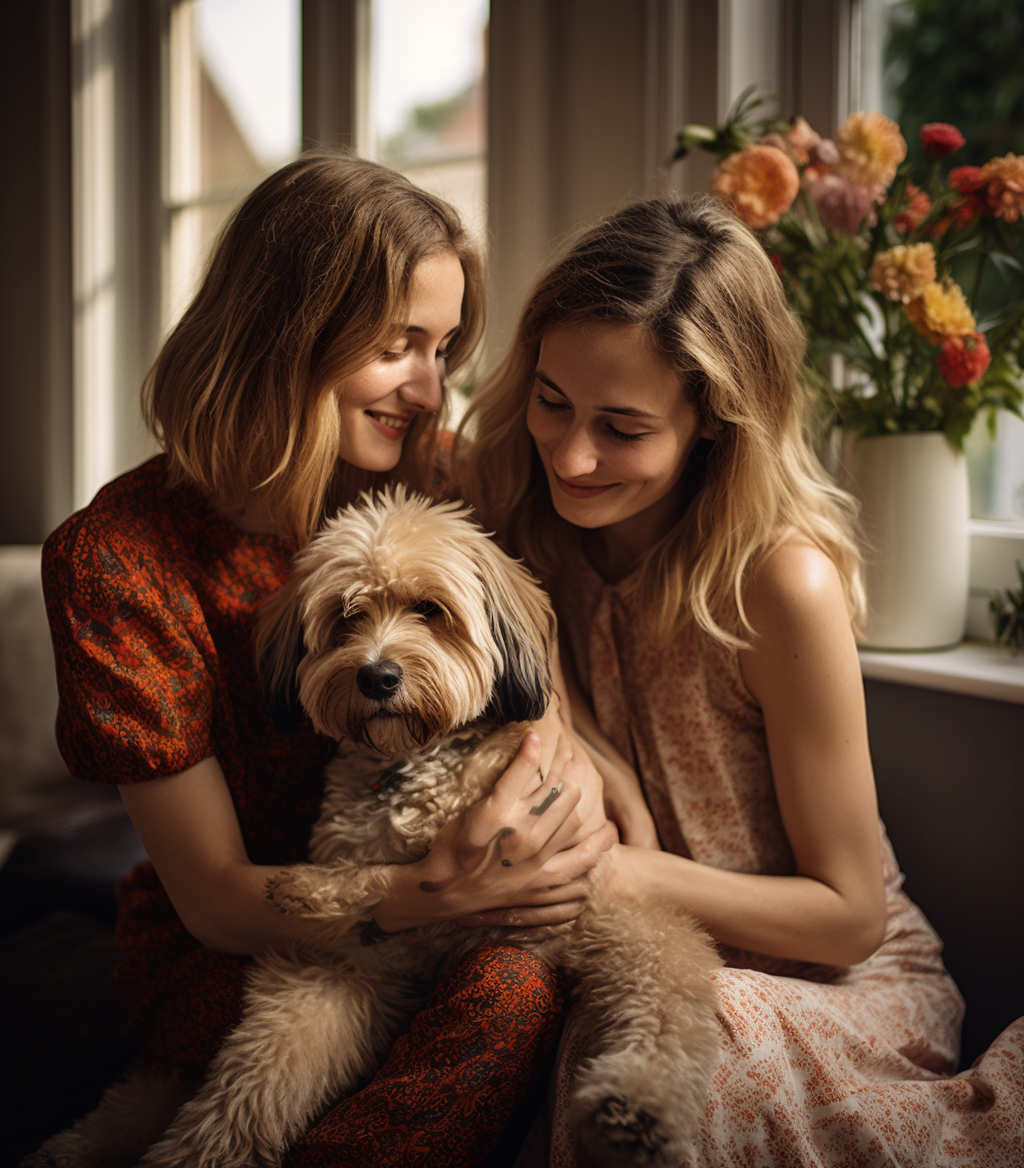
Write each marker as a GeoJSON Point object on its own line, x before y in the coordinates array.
{"type": "Point", "coordinates": [575, 455]}
{"type": "Point", "coordinates": [379, 680]}
{"type": "Point", "coordinates": [423, 388]}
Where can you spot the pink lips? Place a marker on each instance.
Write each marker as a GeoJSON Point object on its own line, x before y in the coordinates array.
{"type": "Point", "coordinates": [582, 492]}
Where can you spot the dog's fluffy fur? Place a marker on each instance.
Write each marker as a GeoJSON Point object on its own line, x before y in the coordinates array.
{"type": "Point", "coordinates": [419, 645]}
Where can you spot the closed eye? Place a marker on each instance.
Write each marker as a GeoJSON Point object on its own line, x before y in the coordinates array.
{"type": "Point", "coordinates": [554, 407]}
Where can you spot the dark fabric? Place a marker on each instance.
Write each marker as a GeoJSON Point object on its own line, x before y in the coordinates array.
{"type": "Point", "coordinates": [453, 1083]}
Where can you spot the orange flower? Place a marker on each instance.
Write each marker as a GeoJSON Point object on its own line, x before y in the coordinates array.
{"type": "Point", "coordinates": [1004, 191]}
{"type": "Point", "coordinates": [940, 311]}
{"type": "Point", "coordinates": [903, 272]}
{"type": "Point", "coordinates": [759, 183]}
{"type": "Point", "coordinates": [914, 211]}
{"type": "Point", "coordinates": [871, 147]}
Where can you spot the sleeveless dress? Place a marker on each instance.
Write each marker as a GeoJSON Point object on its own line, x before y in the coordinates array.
{"type": "Point", "coordinates": [151, 597]}
{"type": "Point", "coordinates": [821, 1066]}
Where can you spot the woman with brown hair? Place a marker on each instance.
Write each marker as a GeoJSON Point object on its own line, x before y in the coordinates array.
{"type": "Point", "coordinates": [309, 366]}
{"type": "Point", "coordinates": [645, 447]}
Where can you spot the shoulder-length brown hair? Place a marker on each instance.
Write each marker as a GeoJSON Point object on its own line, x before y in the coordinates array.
{"type": "Point", "coordinates": [309, 281]}
{"type": "Point", "coordinates": [701, 286]}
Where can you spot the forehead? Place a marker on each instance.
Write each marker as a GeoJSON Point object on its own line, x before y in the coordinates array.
{"type": "Point", "coordinates": [436, 286]}
{"type": "Point", "coordinates": [608, 364]}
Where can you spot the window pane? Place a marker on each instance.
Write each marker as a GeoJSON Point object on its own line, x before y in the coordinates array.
{"type": "Point", "coordinates": [234, 114]}
{"type": "Point", "coordinates": [996, 468]}
{"type": "Point", "coordinates": [428, 116]}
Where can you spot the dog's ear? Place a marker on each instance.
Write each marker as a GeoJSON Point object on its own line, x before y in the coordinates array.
{"type": "Point", "coordinates": [522, 625]}
{"type": "Point", "coordinates": [279, 648]}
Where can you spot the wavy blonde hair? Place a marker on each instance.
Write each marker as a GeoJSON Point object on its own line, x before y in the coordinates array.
{"type": "Point", "coordinates": [701, 286]}
{"type": "Point", "coordinates": [309, 281]}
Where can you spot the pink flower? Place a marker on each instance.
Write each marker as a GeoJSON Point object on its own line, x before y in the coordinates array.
{"type": "Point", "coordinates": [759, 183]}
{"type": "Point", "coordinates": [801, 140]}
{"type": "Point", "coordinates": [963, 359]}
{"type": "Point", "coordinates": [843, 205]}
{"type": "Point", "coordinates": [940, 139]}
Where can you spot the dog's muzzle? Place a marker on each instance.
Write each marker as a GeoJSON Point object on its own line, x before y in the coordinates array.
{"type": "Point", "coordinates": [380, 680]}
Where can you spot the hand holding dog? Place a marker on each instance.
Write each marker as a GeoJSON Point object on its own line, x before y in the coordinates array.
{"type": "Point", "coordinates": [505, 861]}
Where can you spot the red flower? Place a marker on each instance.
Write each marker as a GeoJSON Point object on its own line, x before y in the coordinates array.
{"type": "Point", "coordinates": [966, 179]}
{"type": "Point", "coordinates": [913, 211]}
{"type": "Point", "coordinates": [776, 262]}
{"type": "Point", "coordinates": [963, 211]}
{"type": "Point", "coordinates": [940, 139]}
{"type": "Point", "coordinates": [963, 359]}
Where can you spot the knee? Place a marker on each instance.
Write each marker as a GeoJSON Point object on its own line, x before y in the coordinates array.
{"type": "Point", "coordinates": [512, 981]}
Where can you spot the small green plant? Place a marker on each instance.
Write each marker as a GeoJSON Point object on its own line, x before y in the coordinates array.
{"type": "Point", "coordinates": [1008, 613]}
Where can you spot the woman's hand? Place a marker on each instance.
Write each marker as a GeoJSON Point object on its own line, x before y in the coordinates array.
{"type": "Point", "coordinates": [519, 857]}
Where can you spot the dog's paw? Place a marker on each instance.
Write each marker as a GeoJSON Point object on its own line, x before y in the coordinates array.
{"type": "Point", "coordinates": [290, 892]}
{"type": "Point", "coordinates": [623, 1116]}
{"type": "Point", "coordinates": [620, 1132]}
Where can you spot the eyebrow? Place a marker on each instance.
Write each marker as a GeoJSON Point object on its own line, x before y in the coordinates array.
{"type": "Point", "coordinates": [625, 411]}
{"type": "Point", "coordinates": [415, 328]}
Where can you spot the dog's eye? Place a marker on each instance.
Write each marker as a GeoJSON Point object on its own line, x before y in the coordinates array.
{"type": "Point", "coordinates": [341, 631]}
{"type": "Point", "coordinates": [426, 609]}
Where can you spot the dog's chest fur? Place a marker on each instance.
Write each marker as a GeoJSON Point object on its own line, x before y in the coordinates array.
{"type": "Point", "coordinates": [379, 810]}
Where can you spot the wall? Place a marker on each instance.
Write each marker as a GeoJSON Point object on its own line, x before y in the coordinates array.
{"type": "Point", "coordinates": [950, 774]}
{"type": "Point", "coordinates": [35, 299]}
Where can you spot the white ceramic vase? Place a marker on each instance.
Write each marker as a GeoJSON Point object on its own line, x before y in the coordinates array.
{"type": "Point", "coordinates": [914, 512]}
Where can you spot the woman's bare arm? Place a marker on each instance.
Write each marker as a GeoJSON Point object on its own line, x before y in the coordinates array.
{"type": "Point", "coordinates": [804, 673]}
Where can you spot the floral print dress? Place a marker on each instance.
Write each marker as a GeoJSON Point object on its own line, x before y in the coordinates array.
{"type": "Point", "coordinates": [821, 1066]}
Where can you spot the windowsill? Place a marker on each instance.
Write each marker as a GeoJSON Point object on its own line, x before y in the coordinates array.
{"type": "Point", "coordinates": [978, 668]}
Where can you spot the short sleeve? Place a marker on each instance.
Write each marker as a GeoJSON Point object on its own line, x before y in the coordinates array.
{"type": "Point", "coordinates": [133, 657]}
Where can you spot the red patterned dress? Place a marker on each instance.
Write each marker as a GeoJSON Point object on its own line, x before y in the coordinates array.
{"type": "Point", "coordinates": [151, 597]}
{"type": "Point", "coordinates": [821, 1067]}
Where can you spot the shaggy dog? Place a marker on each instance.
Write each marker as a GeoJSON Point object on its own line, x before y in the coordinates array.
{"type": "Point", "coordinates": [422, 648]}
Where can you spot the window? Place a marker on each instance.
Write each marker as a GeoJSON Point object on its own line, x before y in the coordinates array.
{"type": "Point", "coordinates": [427, 114]}
{"type": "Point", "coordinates": [232, 115]}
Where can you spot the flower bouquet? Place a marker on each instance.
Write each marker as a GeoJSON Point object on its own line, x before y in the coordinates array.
{"type": "Point", "coordinates": [872, 257]}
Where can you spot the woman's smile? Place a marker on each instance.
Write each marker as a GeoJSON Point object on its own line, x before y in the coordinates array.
{"type": "Point", "coordinates": [392, 426]}
{"type": "Point", "coordinates": [583, 490]}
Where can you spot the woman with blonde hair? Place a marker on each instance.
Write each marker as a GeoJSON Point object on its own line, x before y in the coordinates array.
{"type": "Point", "coordinates": [310, 364]}
{"type": "Point", "coordinates": [645, 446]}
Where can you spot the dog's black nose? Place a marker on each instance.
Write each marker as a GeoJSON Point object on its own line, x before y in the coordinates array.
{"type": "Point", "coordinates": [379, 680]}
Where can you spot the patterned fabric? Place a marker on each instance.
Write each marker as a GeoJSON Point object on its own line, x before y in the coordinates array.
{"type": "Point", "coordinates": [452, 1082]}
{"type": "Point", "coordinates": [151, 598]}
{"type": "Point", "coordinates": [821, 1066]}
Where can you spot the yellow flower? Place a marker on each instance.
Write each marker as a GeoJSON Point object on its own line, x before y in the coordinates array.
{"type": "Point", "coordinates": [871, 147]}
{"type": "Point", "coordinates": [940, 311]}
{"type": "Point", "coordinates": [1004, 190]}
{"type": "Point", "coordinates": [903, 272]}
{"type": "Point", "coordinates": [759, 183]}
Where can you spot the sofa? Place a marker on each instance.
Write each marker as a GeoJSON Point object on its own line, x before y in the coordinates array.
{"type": "Point", "coordinates": [63, 846]}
